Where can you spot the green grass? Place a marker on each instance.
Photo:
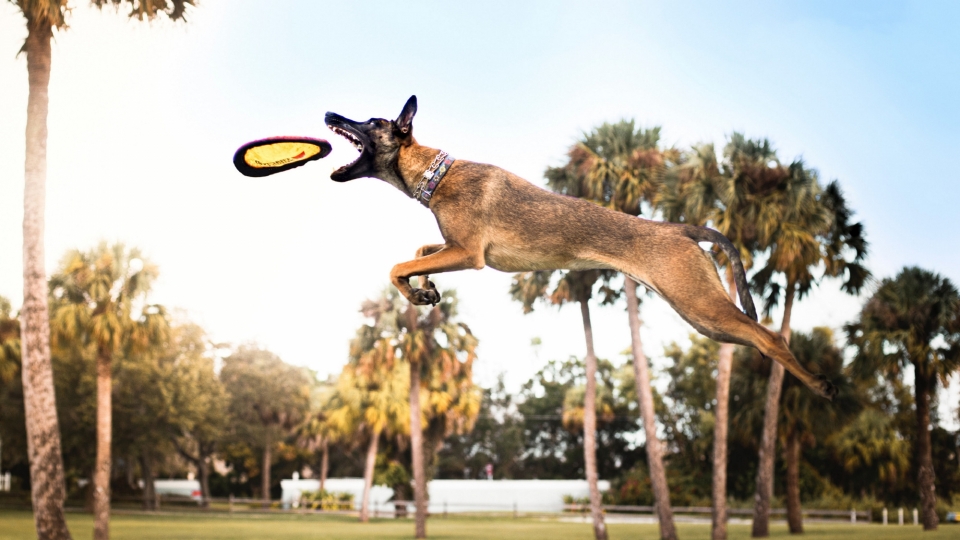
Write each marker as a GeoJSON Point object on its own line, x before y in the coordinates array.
{"type": "Point", "coordinates": [16, 525]}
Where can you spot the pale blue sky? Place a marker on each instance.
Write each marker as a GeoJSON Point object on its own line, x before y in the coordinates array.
{"type": "Point", "coordinates": [144, 121]}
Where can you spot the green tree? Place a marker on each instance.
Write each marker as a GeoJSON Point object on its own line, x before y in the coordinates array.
{"type": "Point", "coordinates": [46, 461]}
{"type": "Point", "coordinates": [735, 198]}
{"type": "Point", "coordinates": [912, 320]}
{"type": "Point", "coordinates": [99, 301]}
{"type": "Point", "coordinates": [197, 400]}
{"type": "Point", "coordinates": [440, 351]}
{"type": "Point", "coordinates": [574, 286]}
{"type": "Point", "coordinates": [806, 418]}
{"type": "Point", "coordinates": [320, 431]}
{"type": "Point", "coordinates": [620, 166]}
{"type": "Point", "coordinates": [497, 438]}
{"type": "Point", "coordinates": [268, 399]}
{"type": "Point", "coordinates": [373, 389]}
{"type": "Point", "coordinates": [814, 231]}
{"type": "Point", "coordinates": [9, 343]}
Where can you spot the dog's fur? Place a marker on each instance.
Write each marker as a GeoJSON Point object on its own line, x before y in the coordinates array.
{"type": "Point", "coordinates": [490, 217]}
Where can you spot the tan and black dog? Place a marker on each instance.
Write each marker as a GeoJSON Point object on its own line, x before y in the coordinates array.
{"type": "Point", "coordinates": [490, 217]}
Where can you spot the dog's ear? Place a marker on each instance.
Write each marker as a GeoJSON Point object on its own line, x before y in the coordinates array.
{"type": "Point", "coordinates": [405, 120]}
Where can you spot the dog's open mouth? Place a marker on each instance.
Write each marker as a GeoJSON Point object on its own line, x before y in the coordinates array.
{"type": "Point", "coordinates": [354, 140]}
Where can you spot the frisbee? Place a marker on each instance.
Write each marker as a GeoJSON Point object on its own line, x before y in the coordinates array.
{"type": "Point", "coordinates": [277, 154]}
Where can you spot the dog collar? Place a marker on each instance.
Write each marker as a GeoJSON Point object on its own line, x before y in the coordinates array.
{"type": "Point", "coordinates": [431, 177]}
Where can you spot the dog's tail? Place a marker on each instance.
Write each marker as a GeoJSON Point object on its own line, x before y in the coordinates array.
{"type": "Point", "coordinates": [704, 234]}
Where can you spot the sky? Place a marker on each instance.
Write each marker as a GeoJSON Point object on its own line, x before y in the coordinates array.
{"type": "Point", "coordinates": [144, 120]}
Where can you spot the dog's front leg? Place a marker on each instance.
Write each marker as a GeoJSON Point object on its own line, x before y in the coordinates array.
{"type": "Point", "coordinates": [428, 249]}
{"type": "Point", "coordinates": [449, 258]}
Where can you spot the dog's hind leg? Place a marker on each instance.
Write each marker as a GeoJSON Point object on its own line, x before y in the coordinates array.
{"type": "Point", "coordinates": [703, 303]}
{"type": "Point", "coordinates": [697, 294]}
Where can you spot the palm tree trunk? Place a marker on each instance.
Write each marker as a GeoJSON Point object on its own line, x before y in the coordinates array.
{"type": "Point", "coordinates": [416, 451]}
{"type": "Point", "coordinates": [794, 513]}
{"type": "Point", "coordinates": [658, 475]}
{"type": "Point", "coordinates": [368, 476]}
{"type": "Point", "coordinates": [925, 474]}
{"type": "Point", "coordinates": [265, 473]}
{"type": "Point", "coordinates": [590, 427]}
{"type": "Point", "coordinates": [149, 490]}
{"type": "Point", "coordinates": [768, 441]}
{"type": "Point", "coordinates": [101, 470]}
{"type": "Point", "coordinates": [718, 527]}
{"type": "Point", "coordinates": [43, 431]}
{"type": "Point", "coordinates": [324, 463]}
{"type": "Point", "coordinates": [203, 470]}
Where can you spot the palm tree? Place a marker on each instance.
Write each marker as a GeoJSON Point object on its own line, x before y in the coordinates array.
{"type": "Point", "coordinates": [620, 166]}
{"type": "Point", "coordinates": [912, 320]}
{"type": "Point", "coordinates": [732, 197]}
{"type": "Point", "coordinates": [320, 431]}
{"type": "Point", "coordinates": [806, 417]}
{"type": "Point", "coordinates": [9, 342]}
{"type": "Point", "coordinates": [95, 299]}
{"type": "Point", "coordinates": [373, 397]}
{"type": "Point", "coordinates": [46, 462]}
{"type": "Point", "coordinates": [814, 228]}
{"type": "Point", "coordinates": [440, 352]}
{"type": "Point", "coordinates": [574, 286]}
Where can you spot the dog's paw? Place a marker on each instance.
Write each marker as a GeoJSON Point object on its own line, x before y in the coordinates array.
{"type": "Point", "coordinates": [824, 387]}
{"type": "Point", "coordinates": [425, 297]}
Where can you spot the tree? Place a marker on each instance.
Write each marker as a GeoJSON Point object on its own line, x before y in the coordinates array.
{"type": "Point", "coordinates": [733, 197]}
{"type": "Point", "coordinates": [197, 399]}
{"type": "Point", "coordinates": [440, 351]}
{"type": "Point", "coordinates": [445, 373]}
{"type": "Point", "coordinates": [620, 166]}
{"type": "Point", "coordinates": [99, 302]}
{"type": "Point", "coordinates": [46, 461]}
{"type": "Point", "coordinates": [813, 230]}
{"type": "Point", "coordinates": [574, 286]}
{"type": "Point", "coordinates": [268, 399]}
{"type": "Point", "coordinates": [319, 431]}
{"type": "Point", "coordinates": [497, 438]}
{"type": "Point", "coordinates": [912, 320]}
{"type": "Point", "coordinates": [806, 417]}
{"type": "Point", "coordinates": [372, 394]}
{"type": "Point", "coordinates": [9, 343]}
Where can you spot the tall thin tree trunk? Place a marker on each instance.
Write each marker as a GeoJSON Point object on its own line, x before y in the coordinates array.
{"type": "Point", "coordinates": [265, 474]}
{"type": "Point", "coordinates": [203, 470]}
{"type": "Point", "coordinates": [590, 427]}
{"type": "Point", "coordinates": [794, 513]}
{"type": "Point", "coordinates": [324, 463]}
{"type": "Point", "coordinates": [658, 475]}
{"type": "Point", "coordinates": [768, 441]}
{"type": "Point", "coordinates": [43, 431]}
{"type": "Point", "coordinates": [149, 489]}
{"type": "Point", "coordinates": [368, 476]}
{"type": "Point", "coordinates": [925, 474]}
{"type": "Point", "coordinates": [416, 451]}
{"type": "Point", "coordinates": [101, 471]}
{"type": "Point", "coordinates": [718, 526]}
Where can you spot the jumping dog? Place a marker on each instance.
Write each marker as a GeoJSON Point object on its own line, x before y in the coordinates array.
{"type": "Point", "coordinates": [490, 217]}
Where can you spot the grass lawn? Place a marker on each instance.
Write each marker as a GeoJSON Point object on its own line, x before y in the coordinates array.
{"type": "Point", "coordinates": [17, 525]}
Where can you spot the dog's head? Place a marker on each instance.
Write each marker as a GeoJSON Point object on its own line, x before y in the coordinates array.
{"type": "Point", "coordinates": [378, 140]}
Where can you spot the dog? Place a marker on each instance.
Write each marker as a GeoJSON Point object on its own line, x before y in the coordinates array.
{"type": "Point", "coordinates": [490, 217]}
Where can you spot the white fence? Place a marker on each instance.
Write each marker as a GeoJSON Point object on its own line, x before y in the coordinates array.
{"type": "Point", "coordinates": [458, 495]}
